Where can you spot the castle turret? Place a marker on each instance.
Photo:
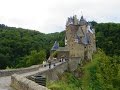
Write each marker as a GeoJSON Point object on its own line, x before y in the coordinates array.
{"type": "Point", "coordinates": [72, 20]}
{"type": "Point", "coordinates": [79, 39]}
{"type": "Point", "coordinates": [69, 21]}
{"type": "Point", "coordinates": [82, 21]}
{"type": "Point", "coordinates": [75, 20]}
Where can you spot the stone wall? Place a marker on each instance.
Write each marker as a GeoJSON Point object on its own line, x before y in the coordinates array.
{"type": "Point", "coordinates": [74, 62]}
{"type": "Point", "coordinates": [53, 74]}
{"type": "Point", "coordinates": [19, 71]}
{"type": "Point", "coordinates": [22, 83]}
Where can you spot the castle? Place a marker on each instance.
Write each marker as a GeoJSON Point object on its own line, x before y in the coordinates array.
{"type": "Point", "coordinates": [79, 40]}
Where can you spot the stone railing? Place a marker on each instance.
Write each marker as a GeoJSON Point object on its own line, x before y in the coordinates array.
{"type": "Point", "coordinates": [22, 83]}
{"type": "Point", "coordinates": [9, 72]}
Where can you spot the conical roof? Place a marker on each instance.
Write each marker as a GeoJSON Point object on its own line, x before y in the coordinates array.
{"type": "Point", "coordinates": [82, 21]}
{"type": "Point", "coordinates": [55, 46]}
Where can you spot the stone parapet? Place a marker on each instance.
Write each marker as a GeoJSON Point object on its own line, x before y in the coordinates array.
{"type": "Point", "coordinates": [22, 83]}
{"type": "Point", "coordinates": [9, 72]}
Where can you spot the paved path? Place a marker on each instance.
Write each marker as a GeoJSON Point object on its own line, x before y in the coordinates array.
{"type": "Point", "coordinates": [5, 81]}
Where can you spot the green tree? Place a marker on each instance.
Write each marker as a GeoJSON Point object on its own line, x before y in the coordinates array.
{"type": "Point", "coordinates": [102, 73]}
{"type": "Point", "coordinates": [35, 58]}
{"type": "Point", "coordinates": [4, 61]}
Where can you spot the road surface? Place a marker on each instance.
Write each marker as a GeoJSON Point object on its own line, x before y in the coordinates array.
{"type": "Point", "coordinates": [5, 81]}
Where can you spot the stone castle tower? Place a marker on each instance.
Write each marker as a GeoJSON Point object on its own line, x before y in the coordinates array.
{"type": "Point", "coordinates": [79, 39]}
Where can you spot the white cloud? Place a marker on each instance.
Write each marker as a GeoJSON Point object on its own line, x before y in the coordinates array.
{"type": "Point", "coordinates": [50, 15]}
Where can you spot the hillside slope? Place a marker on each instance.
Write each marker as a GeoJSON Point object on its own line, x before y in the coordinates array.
{"type": "Point", "coordinates": [16, 43]}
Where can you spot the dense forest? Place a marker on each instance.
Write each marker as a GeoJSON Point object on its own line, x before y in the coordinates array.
{"type": "Point", "coordinates": [21, 47]}
{"type": "Point", "coordinates": [108, 38]}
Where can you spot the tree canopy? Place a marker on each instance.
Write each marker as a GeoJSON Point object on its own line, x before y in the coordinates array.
{"type": "Point", "coordinates": [17, 45]}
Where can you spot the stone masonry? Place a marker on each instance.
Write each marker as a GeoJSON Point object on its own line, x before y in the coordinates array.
{"type": "Point", "coordinates": [79, 40]}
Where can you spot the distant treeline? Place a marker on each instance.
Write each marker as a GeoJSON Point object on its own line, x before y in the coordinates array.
{"type": "Point", "coordinates": [22, 47]}
{"type": "Point", "coordinates": [108, 38]}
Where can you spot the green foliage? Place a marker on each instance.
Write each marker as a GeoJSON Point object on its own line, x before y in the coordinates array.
{"type": "Point", "coordinates": [108, 38]}
{"type": "Point", "coordinates": [102, 73]}
{"type": "Point", "coordinates": [3, 61]}
{"type": "Point", "coordinates": [62, 86]}
{"type": "Point", "coordinates": [16, 44]}
{"type": "Point", "coordinates": [34, 58]}
{"type": "Point", "coordinates": [54, 54]}
{"type": "Point", "coordinates": [59, 86]}
{"type": "Point", "coordinates": [67, 82]}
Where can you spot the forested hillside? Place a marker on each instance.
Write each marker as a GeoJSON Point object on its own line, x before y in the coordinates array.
{"type": "Point", "coordinates": [108, 38]}
{"type": "Point", "coordinates": [21, 47]}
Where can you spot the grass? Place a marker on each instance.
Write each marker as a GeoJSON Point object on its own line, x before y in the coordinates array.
{"type": "Point", "coordinates": [66, 82]}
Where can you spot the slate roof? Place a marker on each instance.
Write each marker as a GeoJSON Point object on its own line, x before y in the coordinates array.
{"type": "Point", "coordinates": [86, 39]}
{"type": "Point", "coordinates": [70, 21]}
{"type": "Point", "coordinates": [83, 40]}
{"type": "Point", "coordinates": [55, 46]}
{"type": "Point", "coordinates": [82, 21]}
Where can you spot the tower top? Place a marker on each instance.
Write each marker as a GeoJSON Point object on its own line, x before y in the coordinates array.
{"type": "Point", "coordinates": [82, 17]}
{"type": "Point", "coordinates": [73, 20]}
{"type": "Point", "coordinates": [82, 21]}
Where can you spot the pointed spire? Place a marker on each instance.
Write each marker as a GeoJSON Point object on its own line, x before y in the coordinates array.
{"type": "Point", "coordinates": [82, 21]}
{"type": "Point", "coordinates": [82, 17]}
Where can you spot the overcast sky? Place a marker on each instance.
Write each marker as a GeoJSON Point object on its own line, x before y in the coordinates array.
{"type": "Point", "coordinates": [49, 16]}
